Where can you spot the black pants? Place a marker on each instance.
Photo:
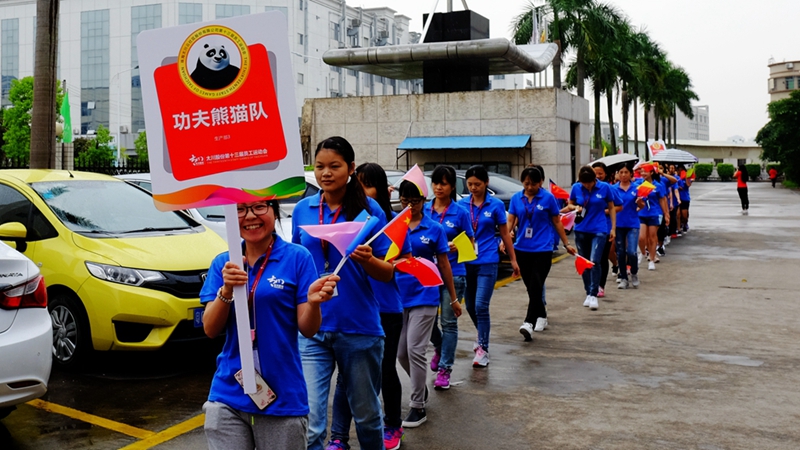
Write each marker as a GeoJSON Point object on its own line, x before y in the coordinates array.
{"type": "Point", "coordinates": [662, 230]}
{"type": "Point", "coordinates": [743, 197]}
{"type": "Point", "coordinates": [773, 181]}
{"type": "Point", "coordinates": [673, 220]}
{"type": "Point", "coordinates": [604, 265]}
{"type": "Point", "coordinates": [391, 388]}
{"type": "Point", "coordinates": [534, 268]}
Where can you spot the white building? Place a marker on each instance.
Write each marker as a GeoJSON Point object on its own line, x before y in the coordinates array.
{"type": "Point", "coordinates": [693, 129]}
{"type": "Point", "coordinates": [98, 57]}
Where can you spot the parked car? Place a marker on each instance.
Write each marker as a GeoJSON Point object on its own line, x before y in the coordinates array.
{"type": "Point", "coordinates": [26, 334]}
{"type": "Point", "coordinates": [213, 217]}
{"type": "Point", "coordinates": [121, 274]}
{"type": "Point", "coordinates": [500, 186]}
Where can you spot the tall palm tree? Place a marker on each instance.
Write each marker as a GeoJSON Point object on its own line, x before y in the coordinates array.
{"type": "Point", "coordinates": [43, 116]}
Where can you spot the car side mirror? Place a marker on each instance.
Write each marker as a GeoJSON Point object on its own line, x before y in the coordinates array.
{"type": "Point", "coordinates": [16, 233]}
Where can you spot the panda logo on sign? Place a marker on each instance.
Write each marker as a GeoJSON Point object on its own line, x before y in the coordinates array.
{"type": "Point", "coordinates": [214, 69]}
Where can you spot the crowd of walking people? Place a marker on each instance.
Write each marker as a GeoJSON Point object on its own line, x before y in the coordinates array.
{"type": "Point", "coordinates": [308, 322]}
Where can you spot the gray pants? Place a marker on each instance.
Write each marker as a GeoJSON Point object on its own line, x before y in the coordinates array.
{"type": "Point", "coordinates": [417, 325]}
{"type": "Point", "coordinates": [227, 428]}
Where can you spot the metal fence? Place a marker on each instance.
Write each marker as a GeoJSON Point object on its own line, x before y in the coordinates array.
{"type": "Point", "coordinates": [108, 168]}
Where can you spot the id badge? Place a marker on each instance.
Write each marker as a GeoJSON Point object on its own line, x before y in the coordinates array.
{"type": "Point", "coordinates": [335, 289]}
{"type": "Point", "coordinates": [476, 248]}
{"type": "Point", "coordinates": [264, 395]}
{"type": "Point", "coordinates": [529, 232]}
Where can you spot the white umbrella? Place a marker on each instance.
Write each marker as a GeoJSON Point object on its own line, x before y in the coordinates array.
{"type": "Point", "coordinates": [676, 156]}
{"type": "Point", "coordinates": [621, 158]}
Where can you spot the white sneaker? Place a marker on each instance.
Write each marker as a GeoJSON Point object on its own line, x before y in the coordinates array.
{"type": "Point", "coordinates": [593, 303]}
{"type": "Point", "coordinates": [651, 265]}
{"type": "Point", "coordinates": [743, 211]}
{"type": "Point", "coordinates": [667, 240]}
{"type": "Point", "coordinates": [635, 280]}
{"type": "Point", "coordinates": [541, 324]}
{"type": "Point", "coordinates": [481, 358]}
{"type": "Point", "coordinates": [619, 280]}
{"type": "Point", "coordinates": [526, 330]}
{"type": "Point", "coordinates": [746, 212]}
{"type": "Point", "coordinates": [638, 258]}
{"type": "Point", "coordinates": [587, 301]}
{"type": "Point", "coordinates": [623, 284]}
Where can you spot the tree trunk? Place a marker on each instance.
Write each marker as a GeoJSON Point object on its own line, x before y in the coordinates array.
{"type": "Point", "coordinates": [557, 67]}
{"type": "Point", "coordinates": [655, 119]}
{"type": "Point", "coordinates": [646, 129]}
{"type": "Point", "coordinates": [610, 106]}
{"type": "Point", "coordinates": [664, 128]}
{"type": "Point", "coordinates": [636, 126]}
{"type": "Point", "coordinates": [625, 110]}
{"type": "Point", "coordinates": [675, 126]}
{"type": "Point", "coordinates": [43, 115]}
{"type": "Point", "coordinates": [580, 72]}
{"type": "Point", "coordinates": [598, 138]}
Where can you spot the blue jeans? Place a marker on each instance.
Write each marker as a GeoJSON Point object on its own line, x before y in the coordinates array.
{"type": "Point", "coordinates": [627, 241]}
{"type": "Point", "coordinates": [480, 286]}
{"type": "Point", "coordinates": [358, 358]}
{"type": "Point", "coordinates": [590, 246]}
{"type": "Point", "coordinates": [445, 340]}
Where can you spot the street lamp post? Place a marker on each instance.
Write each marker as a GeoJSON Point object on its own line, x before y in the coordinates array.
{"type": "Point", "coordinates": [119, 108]}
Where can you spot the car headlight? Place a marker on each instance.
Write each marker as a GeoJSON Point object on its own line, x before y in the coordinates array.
{"type": "Point", "coordinates": [122, 275]}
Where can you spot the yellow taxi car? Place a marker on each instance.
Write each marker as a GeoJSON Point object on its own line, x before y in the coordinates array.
{"type": "Point", "coordinates": [121, 275]}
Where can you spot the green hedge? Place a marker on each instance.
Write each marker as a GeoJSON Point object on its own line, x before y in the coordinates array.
{"type": "Point", "coordinates": [776, 166]}
{"type": "Point", "coordinates": [753, 171]}
{"type": "Point", "coordinates": [703, 170]}
{"type": "Point", "coordinates": [725, 171]}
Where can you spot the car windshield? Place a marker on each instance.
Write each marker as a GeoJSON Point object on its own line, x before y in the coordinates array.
{"type": "Point", "coordinates": [212, 213]}
{"type": "Point", "coordinates": [503, 183]}
{"type": "Point", "coordinates": [109, 207]}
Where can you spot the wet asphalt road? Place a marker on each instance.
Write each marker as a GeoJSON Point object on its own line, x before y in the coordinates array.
{"type": "Point", "coordinates": [703, 355]}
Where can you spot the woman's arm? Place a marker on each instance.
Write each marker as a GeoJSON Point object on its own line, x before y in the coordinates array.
{"type": "Point", "coordinates": [665, 210]}
{"type": "Point", "coordinates": [216, 313]}
{"type": "Point", "coordinates": [506, 238]}
{"type": "Point", "coordinates": [309, 316]}
{"type": "Point", "coordinates": [613, 214]}
{"type": "Point", "coordinates": [563, 235]}
{"type": "Point", "coordinates": [447, 277]}
{"type": "Point", "coordinates": [512, 224]}
{"type": "Point", "coordinates": [376, 268]}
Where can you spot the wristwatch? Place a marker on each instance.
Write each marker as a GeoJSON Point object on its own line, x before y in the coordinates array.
{"type": "Point", "coordinates": [223, 299]}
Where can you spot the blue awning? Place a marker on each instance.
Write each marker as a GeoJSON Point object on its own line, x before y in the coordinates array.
{"type": "Point", "coordinates": [465, 142]}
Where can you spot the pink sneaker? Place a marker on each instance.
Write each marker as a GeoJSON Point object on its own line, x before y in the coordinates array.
{"type": "Point", "coordinates": [442, 380]}
{"type": "Point", "coordinates": [435, 360]}
{"type": "Point", "coordinates": [601, 293]}
{"type": "Point", "coordinates": [481, 358]}
{"type": "Point", "coordinates": [392, 437]}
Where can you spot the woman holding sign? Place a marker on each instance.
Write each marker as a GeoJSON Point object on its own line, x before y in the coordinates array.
{"type": "Point", "coordinates": [276, 415]}
{"type": "Point", "coordinates": [535, 212]}
{"type": "Point", "coordinates": [351, 336]}
{"type": "Point", "coordinates": [455, 221]}
{"type": "Point", "coordinates": [487, 215]}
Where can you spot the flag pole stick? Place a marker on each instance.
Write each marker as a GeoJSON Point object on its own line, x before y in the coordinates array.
{"type": "Point", "coordinates": [341, 264]}
{"type": "Point", "coordinates": [384, 228]}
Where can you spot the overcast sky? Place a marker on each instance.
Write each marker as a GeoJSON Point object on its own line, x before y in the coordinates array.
{"type": "Point", "coordinates": [724, 45]}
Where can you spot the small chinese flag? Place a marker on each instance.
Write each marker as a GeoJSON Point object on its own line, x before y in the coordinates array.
{"type": "Point", "coordinates": [423, 270]}
{"type": "Point", "coordinates": [568, 219]}
{"type": "Point", "coordinates": [466, 251]}
{"type": "Point", "coordinates": [689, 174]}
{"type": "Point", "coordinates": [557, 192]}
{"type": "Point", "coordinates": [645, 189]}
{"type": "Point", "coordinates": [396, 231]}
{"type": "Point", "coordinates": [581, 264]}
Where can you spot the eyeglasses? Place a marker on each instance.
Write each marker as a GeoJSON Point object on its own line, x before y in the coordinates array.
{"type": "Point", "coordinates": [412, 202]}
{"type": "Point", "coordinates": [259, 209]}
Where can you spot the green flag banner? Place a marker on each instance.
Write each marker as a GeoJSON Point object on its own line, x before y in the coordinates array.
{"type": "Point", "coordinates": [67, 134]}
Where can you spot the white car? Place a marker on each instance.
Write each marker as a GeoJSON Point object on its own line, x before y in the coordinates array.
{"type": "Point", "coordinates": [26, 329]}
{"type": "Point", "coordinates": [212, 217]}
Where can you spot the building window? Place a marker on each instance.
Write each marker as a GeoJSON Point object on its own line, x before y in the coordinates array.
{"type": "Point", "coordinates": [146, 17]}
{"type": "Point", "coordinates": [300, 5]}
{"type": "Point", "coordinates": [281, 9]}
{"type": "Point", "coordinates": [352, 73]}
{"type": "Point", "coordinates": [789, 83]}
{"type": "Point", "coordinates": [95, 76]}
{"type": "Point", "coordinates": [300, 38]}
{"type": "Point", "coordinates": [334, 31]}
{"type": "Point", "coordinates": [300, 78]}
{"type": "Point", "coordinates": [190, 13]}
{"type": "Point", "coordinates": [224, 11]}
{"type": "Point", "coordinates": [499, 77]}
{"type": "Point", "coordinates": [9, 61]}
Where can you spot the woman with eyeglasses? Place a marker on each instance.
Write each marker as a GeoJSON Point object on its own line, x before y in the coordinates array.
{"type": "Point", "coordinates": [429, 241]}
{"type": "Point", "coordinates": [455, 220]}
{"type": "Point", "coordinates": [284, 299]}
{"type": "Point", "coordinates": [535, 214]}
{"type": "Point", "coordinates": [351, 337]}
{"type": "Point", "coordinates": [487, 215]}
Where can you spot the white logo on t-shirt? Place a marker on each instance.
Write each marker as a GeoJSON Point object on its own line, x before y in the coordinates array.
{"type": "Point", "coordinates": [540, 207]}
{"type": "Point", "coordinates": [487, 213]}
{"type": "Point", "coordinates": [424, 240]}
{"type": "Point", "coordinates": [598, 195]}
{"type": "Point", "coordinates": [449, 224]}
{"type": "Point", "coordinates": [276, 283]}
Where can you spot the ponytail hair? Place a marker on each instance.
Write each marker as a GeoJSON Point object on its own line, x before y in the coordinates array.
{"type": "Point", "coordinates": [355, 200]}
{"type": "Point", "coordinates": [373, 175]}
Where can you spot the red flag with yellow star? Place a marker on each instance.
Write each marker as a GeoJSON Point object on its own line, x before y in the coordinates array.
{"type": "Point", "coordinates": [396, 230]}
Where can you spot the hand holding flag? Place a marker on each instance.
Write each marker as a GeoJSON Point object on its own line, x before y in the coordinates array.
{"type": "Point", "coordinates": [344, 236]}
{"type": "Point", "coordinates": [581, 264]}
{"type": "Point", "coordinates": [466, 251]}
{"type": "Point", "coordinates": [645, 189]}
{"type": "Point", "coordinates": [568, 219]}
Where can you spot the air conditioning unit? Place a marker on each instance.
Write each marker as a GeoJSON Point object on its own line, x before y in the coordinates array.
{"type": "Point", "coordinates": [383, 34]}
{"type": "Point", "coordinates": [355, 23]}
{"type": "Point", "coordinates": [790, 66]}
{"type": "Point", "coordinates": [123, 129]}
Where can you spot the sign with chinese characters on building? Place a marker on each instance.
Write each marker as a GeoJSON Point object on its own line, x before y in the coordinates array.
{"type": "Point", "coordinates": [220, 113]}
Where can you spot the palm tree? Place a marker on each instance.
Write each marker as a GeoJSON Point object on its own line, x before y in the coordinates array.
{"type": "Point", "coordinates": [43, 116]}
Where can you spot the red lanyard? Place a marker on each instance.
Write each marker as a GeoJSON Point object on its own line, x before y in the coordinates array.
{"type": "Point", "coordinates": [251, 297]}
{"type": "Point", "coordinates": [322, 222]}
{"type": "Point", "coordinates": [441, 218]}
{"type": "Point", "coordinates": [530, 212]}
{"type": "Point", "coordinates": [472, 214]}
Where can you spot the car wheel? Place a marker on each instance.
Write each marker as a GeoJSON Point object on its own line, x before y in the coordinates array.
{"type": "Point", "coordinates": [71, 336]}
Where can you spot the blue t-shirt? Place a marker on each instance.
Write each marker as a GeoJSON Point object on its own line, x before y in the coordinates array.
{"type": "Point", "coordinates": [484, 221]}
{"type": "Point", "coordinates": [683, 189]}
{"type": "Point", "coordinates": [356, 309]}
{"type": "Point", "coordinates": [282, 287]}
{"type": "Point", "coordinates": [595, 204]}
{"type": "Point", "coordinates": [427, 241]}
{"type": "Point", "coordinates": [387, 292]}
{"type": "Point", "coordinates": [628, 217]}
{"type": "Point", "coordinates": [538, 216]}
{"type": "Point", "coordinates": [454, 220]}
{"type": "Point", "coordinates": [652, 203]}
